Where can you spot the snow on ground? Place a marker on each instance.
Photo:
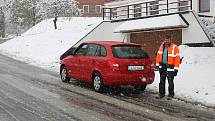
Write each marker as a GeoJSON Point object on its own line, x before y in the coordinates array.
{"type": "Point", "coordinates": [42, 46]}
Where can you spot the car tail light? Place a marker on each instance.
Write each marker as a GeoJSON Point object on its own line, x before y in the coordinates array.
{"type": "Point", "coordinates": [113, 65]}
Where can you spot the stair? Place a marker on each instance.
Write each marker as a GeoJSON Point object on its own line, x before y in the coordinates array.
{"type": "Point", "coordinates": [208, 25]}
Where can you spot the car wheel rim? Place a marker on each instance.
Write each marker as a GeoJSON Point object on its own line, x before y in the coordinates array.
{"type": "Point", "coordinates": [97, 83]}
{"type": "Point", "coordinates": [63, 74]}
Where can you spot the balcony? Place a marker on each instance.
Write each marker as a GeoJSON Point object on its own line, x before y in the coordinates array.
{"type": "Point", "coordinates": [146, 9]}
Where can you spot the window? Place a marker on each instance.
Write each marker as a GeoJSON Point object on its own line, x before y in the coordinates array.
{"type": "Point", "coordinates": [137, 10]}
{"type": "Point", "coordinates": [86, 8]}
{"type": "Point", "coordinates": [154, 8]}
{"type": "Point", "coordinates": [183, 5]}
{"type": "Point", "coordinates": [81, 51]}
{"type": "Point", "coordinates": [98, 9]}
{"type": "Point", "coordinates": [129, 52]}
{"type": "Point", "coordinates": [101, 51]}
{"type": "Point", "coordinates": [204, 5]}
{"type": "Point", "coordinates": [91, 50]}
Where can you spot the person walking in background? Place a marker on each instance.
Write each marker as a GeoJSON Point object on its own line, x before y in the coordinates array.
{"type": "Point", "coordinates": [167, 61]}
{"type": "Point", "coordinates": [55, 22]}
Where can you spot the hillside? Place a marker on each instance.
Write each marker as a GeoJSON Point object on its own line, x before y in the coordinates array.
{"type": "Point", "coordinates": [42, 45]}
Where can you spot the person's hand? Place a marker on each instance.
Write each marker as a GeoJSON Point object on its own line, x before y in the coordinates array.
{"type": "Point", "coordinates": [176, 72]}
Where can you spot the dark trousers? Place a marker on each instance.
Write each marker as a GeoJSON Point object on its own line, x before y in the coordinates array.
{"type": "Point", "coordinates": [163, 76]}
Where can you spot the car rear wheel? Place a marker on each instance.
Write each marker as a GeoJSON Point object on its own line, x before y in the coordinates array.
{"type": "Point", "coordinates": [141, 87]}
{"type": "Point", "coordinates": [97, 82]}
{"type": "Point", "coordinates": [64, 75]}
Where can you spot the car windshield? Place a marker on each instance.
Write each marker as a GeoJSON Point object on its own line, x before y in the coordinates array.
{"type": "Point", "coordinates": [129, 51]}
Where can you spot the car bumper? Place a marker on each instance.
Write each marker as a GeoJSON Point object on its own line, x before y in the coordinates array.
{"type": "Point", "coordinates": [128, 79]}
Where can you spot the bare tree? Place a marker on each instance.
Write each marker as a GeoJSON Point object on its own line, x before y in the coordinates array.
{"type": "Point", "coordinates": [4, 8]}
{"type": "Point", "coordinates": [2, 23]}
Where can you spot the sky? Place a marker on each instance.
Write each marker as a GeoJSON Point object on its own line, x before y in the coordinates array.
{"type": "Point", "coordinates": [42, 46]}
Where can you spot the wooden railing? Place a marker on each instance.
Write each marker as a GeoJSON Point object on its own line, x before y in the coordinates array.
{"type": "Point", "coordinates": [146, 9]}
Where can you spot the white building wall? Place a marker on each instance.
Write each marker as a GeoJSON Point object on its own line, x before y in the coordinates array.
{"type": "Point", "coordinates": [212, 8]}
{"type": "Point", "coordinates": [194, 33]}
{"type": "Point", "coordinates": [105, 32]}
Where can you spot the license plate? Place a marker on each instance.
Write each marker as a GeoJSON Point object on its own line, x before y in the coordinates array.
{"type": "Point", "coordinates": [135, 68]}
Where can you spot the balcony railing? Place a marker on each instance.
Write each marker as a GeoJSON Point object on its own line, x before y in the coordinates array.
{"type": "Point", "coordinates": [146, 9]}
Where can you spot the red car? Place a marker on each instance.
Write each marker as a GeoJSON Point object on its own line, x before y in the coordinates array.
{"type": "Point", "coordinates": [109, 63]}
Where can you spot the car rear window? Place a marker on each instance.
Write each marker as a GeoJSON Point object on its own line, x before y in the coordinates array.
{"type": "Point", "coordinates": [129, 52]}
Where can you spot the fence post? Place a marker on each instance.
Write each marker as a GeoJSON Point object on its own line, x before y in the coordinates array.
{"type": "Point", "coordinates": [103, 13]}
{"type": "Point", "coordinates": [146, 8]}
{"type": "Point", "coordinates": [110, 13]}
{"type": "Point", "coordinates": [167, 6]}
{"type": "Point", "coordinates": [128, 11]}
{"type": "Point", "coordinates": [191, 4]}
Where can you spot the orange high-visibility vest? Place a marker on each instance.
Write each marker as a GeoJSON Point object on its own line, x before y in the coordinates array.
{"type": "Point", "coordinates": [173, 57]}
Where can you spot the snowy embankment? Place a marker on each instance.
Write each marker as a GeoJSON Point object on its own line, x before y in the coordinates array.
{"type": "Point", "coordinates": [42, 46]}
{"type": "Point", "coordinates": [196, 76]}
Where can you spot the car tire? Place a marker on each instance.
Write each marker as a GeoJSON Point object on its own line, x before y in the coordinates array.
{"type": "Point", "coordinates": [141, 87]}
{"type": "Point", "coordinates": [64, 75]}
{"type": "Point", "coordinates": [97, 82]}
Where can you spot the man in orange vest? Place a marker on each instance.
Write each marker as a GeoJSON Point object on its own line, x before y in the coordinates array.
{"type": "Point", "coordinates": [167, 61]}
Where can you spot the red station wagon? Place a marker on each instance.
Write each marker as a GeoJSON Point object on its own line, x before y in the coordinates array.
{"type": "Point", "coordinates": [109, 63]}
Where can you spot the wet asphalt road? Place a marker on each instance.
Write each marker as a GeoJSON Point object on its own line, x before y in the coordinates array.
{"type": "Point", "coordinates": [29, 93]}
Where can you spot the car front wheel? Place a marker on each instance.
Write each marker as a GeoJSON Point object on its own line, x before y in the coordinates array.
{"type": "Point", "coordinates": [97, 82]}
{"type": "Point", "coordinates": [64, 75]}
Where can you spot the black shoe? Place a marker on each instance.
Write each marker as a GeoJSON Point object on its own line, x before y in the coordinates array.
{"type": "Point", "coordinates": [160, 96]}
{"type": "Point", "coordinates": [171, 96]}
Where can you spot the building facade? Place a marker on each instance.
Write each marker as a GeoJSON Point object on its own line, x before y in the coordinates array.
{"type": "Point", "coordinates": [147, 22]}
{"type": "Point", "coordinates": [91, 8]}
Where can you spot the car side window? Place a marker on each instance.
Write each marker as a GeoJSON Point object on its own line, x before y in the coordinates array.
{"type": "Point", "coordinates": [101, 51]}
{"type": "Point", "coordinates": [91, 50]}
{"type": "Point", "coordinates": [81, 51]}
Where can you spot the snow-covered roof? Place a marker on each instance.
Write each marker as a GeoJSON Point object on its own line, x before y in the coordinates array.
{"type": "Point", "coordinates": [161, 22]}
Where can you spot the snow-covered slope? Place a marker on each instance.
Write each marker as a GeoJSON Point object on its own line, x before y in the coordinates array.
{"type": "Point", "coordinates": [42, 45]}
